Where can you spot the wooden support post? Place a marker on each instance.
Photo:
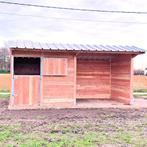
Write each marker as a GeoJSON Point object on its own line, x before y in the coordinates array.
{"type": "Point", "coordinates": [131, 81]}
{"type": "Point", "coordinates": [110, 78]}
{"type": "Point", "coordinates": [75, 78]}
{"type": "Point", "coordinates": [41, 84]}
{"type": "Point", "coordinates": [12, 81]}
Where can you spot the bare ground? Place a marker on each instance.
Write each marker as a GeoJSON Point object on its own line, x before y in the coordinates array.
{"type": "Point", "coordinates": [109, 122]}
{"type": "Point", "coordinates": [56, 115]}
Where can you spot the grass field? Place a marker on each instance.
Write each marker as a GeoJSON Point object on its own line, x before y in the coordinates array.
{"type": "Point", "coordinates": [73, 135]}
{"type": "Point", "coordinates": [140, 96]}
{"type": "Point", "coordinates": [4, 94]}
{"type": "Point", "coordinates": [72, 127]}
{"type": "Point", "coordinates": [140, 93]}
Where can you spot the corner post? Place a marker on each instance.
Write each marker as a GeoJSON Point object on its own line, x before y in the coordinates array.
{"type": "Point", "coordinates": [131, 81]}
{"type": "Point", "coordinates": [12, 95]}
{"type": "Point", "coordinates": [75, 78]}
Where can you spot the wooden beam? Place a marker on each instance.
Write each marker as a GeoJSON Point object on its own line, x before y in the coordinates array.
{"type": "Point", "coordinates": [73, 51]}
{"type": "Point", "coordinates": [41, 83]}
{"type": "Point", "coordinates": [131, 81]}
{"type": "Point", "coordinates": [12, 81]}
{"type": "Point", "coordinates": [75, 79]}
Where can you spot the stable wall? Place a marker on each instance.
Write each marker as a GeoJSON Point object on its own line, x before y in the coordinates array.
{"type": "Point", "coordinates": [93, 79]}
{"type": "Point", "coordinates": [121, 78]}
{"type": "Point", "coordinates": [83, 79]}
{"type": "Point", "coordinates": [58, 83]}
{"type": "Point", "coordinates": [53, 87]}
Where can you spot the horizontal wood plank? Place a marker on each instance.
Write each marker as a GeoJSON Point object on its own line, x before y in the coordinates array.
{"type": "Point", "coordinates": [93, 79]}
{"type": "Point", "coordinates": [121, 78]}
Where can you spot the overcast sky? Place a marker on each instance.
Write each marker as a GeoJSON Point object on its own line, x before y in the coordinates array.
{"type": "Point", "coordinates": [64, 26]}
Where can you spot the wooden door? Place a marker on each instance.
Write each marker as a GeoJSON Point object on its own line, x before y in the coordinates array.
{"type": "Point", "coordinates": [26, 90]}
{"type": "Point", "coordinates": [54, 75]}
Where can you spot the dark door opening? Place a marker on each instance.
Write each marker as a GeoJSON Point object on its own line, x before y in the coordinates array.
{"type": "Point", "coordinates": [26, 66]}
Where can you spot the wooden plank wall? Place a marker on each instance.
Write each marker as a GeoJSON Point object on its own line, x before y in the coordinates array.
{"type": "Point", "coordinates": [59, 89]}
{"type": "Point", "coordinates": [26, 90]}
{"type": "Point", "coordinates": [54, 66]}
{"type": "Point", "coordinates": [121, 75]}
{"type": "Point", "coordinates": [93, 79]}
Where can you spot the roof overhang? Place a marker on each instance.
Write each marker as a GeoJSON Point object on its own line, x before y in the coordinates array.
{"type": "Point", "coordinates": [74, 48]}
{"type": "Point", "coordinates": [76, 51]}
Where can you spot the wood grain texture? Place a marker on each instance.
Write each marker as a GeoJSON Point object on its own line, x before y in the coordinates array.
{"type": "Point", "coordinates": [93, 79]}
{"type": "Point", "coordinates": [26, 90]}
{"type": "Point", "coordinates": [59, 87]}
{"type": "Point", "coordinates": [54, 66]}
{"type": "Point", "coordinates": [121, 75]}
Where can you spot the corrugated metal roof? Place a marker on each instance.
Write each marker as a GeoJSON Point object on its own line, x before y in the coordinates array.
{"type": "Point", "coordinates": [84, 47]}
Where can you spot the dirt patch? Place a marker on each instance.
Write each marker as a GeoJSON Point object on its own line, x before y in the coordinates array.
{"type": "Point", "coordinates": [73, 127]}
{"type": "Point", "coordinates": [4, 103]}
{"type": "Point", "coordinates": [55, 115]}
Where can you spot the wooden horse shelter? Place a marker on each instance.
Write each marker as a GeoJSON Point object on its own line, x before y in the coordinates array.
{"type": "Point", "coordinates": [47, 75]}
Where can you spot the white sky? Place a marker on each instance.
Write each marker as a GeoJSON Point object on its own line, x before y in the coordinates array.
{"type": "Point", "coordinates": [60, 26]}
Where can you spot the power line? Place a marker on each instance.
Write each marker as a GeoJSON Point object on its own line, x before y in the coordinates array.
{"type": "Point", "coordinates": [74, 9]}
{"type": "Point", "coordinates": [69, 19]}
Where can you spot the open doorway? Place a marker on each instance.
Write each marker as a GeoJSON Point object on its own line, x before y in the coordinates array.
{"type": "Point", "coordinates": [93, 79]}
{"type": "Point", "coordinates": [26, 66]}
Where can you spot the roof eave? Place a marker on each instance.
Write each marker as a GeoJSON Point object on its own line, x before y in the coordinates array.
{"type": "Point", "coordinates": [75, 51]}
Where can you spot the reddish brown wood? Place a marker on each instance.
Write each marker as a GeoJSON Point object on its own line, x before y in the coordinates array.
{"type": "Point", "coordinates": [63, 81]}
{"type": "Point", "coordinates": [93, 79]}
{"type": "Point", "coordinates": [54, 66]}
{"type": "Point", "coordinates": [26, 90]}
{"type": "Point", "coordinates": [56, 88]}
{"type": "Point", "coordinates": [121, 75]}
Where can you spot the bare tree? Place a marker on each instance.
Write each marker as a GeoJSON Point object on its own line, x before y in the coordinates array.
{"type": "Point", "coordinates": [4, 60]}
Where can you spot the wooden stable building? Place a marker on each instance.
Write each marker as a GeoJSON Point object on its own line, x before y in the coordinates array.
{"type": "Point", "coordinates": [60, 75]}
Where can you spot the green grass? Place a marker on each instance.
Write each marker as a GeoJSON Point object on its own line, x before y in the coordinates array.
{"type": "Point", "coordinates": [142, 93]}
{"type": "Point", "coordinates": [4, 90]}
{"type": "Point", "coordinates": [4, 96]}
{"type": "Point", "coordinates": [15, 135]}
{"type": "Point", "coordinates": [4, 72]}
{"type": "Point", "coordinates": [140, 90]}
{"type": "Point", "coordinates": [144, 96]}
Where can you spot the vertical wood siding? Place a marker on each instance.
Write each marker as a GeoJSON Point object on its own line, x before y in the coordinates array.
{"type": "Point", "coordinates": [93, 79]}
{"type": "Point", "coordinates": [26, 90]}
{"type": "Point", "coordinates": [58, 88]}
{"type": "Point", "coordinates": [54, 66]}
{"type": "Point", "coordinates": [121, 74]}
